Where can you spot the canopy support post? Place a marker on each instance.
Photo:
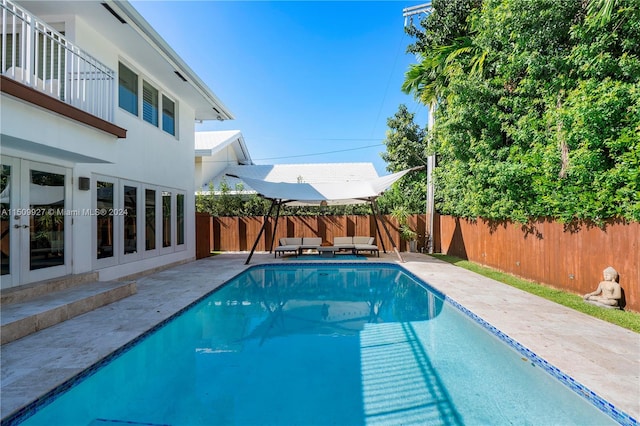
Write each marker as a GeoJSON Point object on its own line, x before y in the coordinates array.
{"type": "Point", "coordinates": [264, 225]}
{"type": "Point", "coordinates": [384, 225]}
{"type": "Point", "coordinates": [375, 222]}
{"type": "Point", "coordinates": [275, 227]}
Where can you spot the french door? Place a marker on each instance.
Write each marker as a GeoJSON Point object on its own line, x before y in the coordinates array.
{"type": "Point", "coordinates": [35, 221]}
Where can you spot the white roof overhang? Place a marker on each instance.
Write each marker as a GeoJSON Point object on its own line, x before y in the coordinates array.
{"type": "Point", "coordinates": [210, 143]}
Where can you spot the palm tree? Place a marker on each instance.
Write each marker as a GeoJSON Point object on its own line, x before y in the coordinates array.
{"type": "Point", "coordinates": [429, 79]}
{"type": "Point", "coordinates": [602, 10]}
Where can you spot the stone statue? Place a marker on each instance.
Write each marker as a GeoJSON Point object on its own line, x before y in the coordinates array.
{"type": "Point", "coordinates": [608, 293]}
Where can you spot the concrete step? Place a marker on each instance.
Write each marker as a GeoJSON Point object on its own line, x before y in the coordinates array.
{"type": "Point", "coordinates": [32, 314]}
{"type": "Point", "coordinates": [40, 288]}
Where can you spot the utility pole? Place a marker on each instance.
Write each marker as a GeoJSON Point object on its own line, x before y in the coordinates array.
{"type": "Point", "coordinates": [408, 14]}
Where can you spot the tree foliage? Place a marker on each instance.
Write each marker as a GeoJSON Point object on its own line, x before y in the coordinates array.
{"type": "Point", "coordinates": [538, 107]}
{"type": "Point", "coordinates": [228, 201]}
{"type": "Point", "coordinates": [405, 148]}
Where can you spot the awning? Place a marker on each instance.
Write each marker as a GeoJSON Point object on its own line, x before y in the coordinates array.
{"type": "Point", "coordinates": [309, 194]}
{"type": "Point", "coordinates": [340, 193]}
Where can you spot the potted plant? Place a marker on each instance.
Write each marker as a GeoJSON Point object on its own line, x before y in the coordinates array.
{"type": "Point", "coordinates": [401, 214]}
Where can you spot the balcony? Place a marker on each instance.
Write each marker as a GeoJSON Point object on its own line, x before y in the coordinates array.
{"type": "Point", "coordinates": [37, 56]}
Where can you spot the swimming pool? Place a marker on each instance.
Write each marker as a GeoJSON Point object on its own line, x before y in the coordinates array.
{"type": "Point", "coordinates": [318, 344]}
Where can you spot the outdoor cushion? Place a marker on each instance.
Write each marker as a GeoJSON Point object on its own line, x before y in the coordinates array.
{"type": "Point", "coordinates": [315, 241]}
{"type": "Point", "coordinates": [367, 247]}
{"type": "Point", "coordinates": [311, 242]}
{"type": "Point", "coordinates": [363, 240]}
{"type": "Point", "coordinates": [289, 241]}
{"type": "Point", "coordinates": [291, 244]}
{"type": "Point", "coordinates": [343, 242]}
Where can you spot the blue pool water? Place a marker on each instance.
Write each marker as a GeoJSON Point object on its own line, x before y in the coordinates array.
{"type": "Point", "coordinates": [318, 344]}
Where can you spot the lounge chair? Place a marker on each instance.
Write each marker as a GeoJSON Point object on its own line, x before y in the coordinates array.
{"type": "Point", "coordinates": [297, 245]}
{"type": "Point", "coordinates": [310, 243]}
{"type": "Point", "coordinates": [288, 245]}
{"type": "Point", "coordinates": [356, 244]}
{"type": "Point", "coordinates": [365, 244]}
{"type": "Point", "coordinates": [344, 243]}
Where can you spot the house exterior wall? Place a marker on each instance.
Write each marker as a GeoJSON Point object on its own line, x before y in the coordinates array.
{"type": "Point", "coordinates": [212, 166]}
{"type": "Point", "coordinates": [147, 159]}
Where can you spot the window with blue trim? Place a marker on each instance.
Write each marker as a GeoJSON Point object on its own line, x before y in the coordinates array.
{"type": "Point", "coordinates": [168, 115]}
{"type": "Point", "coordinates": [149, 103]}
{"type": "Point", "coordinates": [127, 89]}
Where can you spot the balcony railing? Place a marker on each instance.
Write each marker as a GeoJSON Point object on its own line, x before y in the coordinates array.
{"type": "Point", "coordinates": [38, 56]}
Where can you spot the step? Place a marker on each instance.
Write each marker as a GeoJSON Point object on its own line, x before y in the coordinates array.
{"type": "Point", "coordinates": [40, 288]}
{"type": "Point", "coordinates": [22, 318]}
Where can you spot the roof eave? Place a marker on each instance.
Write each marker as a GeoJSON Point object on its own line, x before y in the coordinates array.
{"type": "Point", "coordinates": [218, 110]}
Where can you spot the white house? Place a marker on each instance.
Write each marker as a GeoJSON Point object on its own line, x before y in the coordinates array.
{"type": "Point", "coordinates": [214, 152]}
{"type": "Point", "coordinates": [222, 155]}
{"type": "Point", "coordinates": [97, 129]}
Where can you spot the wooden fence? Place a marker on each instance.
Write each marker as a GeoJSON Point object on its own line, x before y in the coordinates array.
{"type": "Point", "coordinates": [239, 233]}
{"type": "Point", "coordinates": [544, 251]}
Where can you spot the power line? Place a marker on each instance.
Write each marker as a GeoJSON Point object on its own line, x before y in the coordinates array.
{"type": "Point", "coordinates": [386, 89]}
{"type": "Point", "coordinates": [321, 153]}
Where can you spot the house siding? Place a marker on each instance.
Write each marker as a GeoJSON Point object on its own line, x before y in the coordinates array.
{"type": "Point", "coordinates": [148, 158]}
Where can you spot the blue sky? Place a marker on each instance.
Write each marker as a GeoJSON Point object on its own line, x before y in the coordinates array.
{"type": "Point", "coordinates": [308, 82]}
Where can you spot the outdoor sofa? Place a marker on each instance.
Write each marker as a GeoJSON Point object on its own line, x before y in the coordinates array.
{"type": "Point", "coordinates": [297, 245]}
{"type": "Point", "coordinates": [356, 244]}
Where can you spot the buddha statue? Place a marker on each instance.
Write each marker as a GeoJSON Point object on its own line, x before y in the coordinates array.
{"type": "Point", "coordinates": [608, 293]}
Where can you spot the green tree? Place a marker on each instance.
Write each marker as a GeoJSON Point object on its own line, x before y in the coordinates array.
{"type": "Point", "coordinates": [227, 201]}
{"type": "Point", "coordinates": [442, 43]}
{"type": "Point", "coordinates": [405, 148]}
{"type": "Point", "coordinates": [538, 107]}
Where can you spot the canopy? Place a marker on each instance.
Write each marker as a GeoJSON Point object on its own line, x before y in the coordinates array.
{"type": "Point", "coordinates": [335, 193]}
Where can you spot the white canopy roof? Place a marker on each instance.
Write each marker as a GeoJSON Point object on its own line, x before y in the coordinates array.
{"type": "Point", "coordinates": [333, 193]}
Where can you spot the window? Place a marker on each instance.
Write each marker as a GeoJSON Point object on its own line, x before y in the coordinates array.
{"type": "Point", "coordinates": [130, 219]}
{"type": "Point", "coordinates": [128, 99]}
{"type": "Point", "coordinates": [127, 90]}
{"type": "Point", "coordinates": [104, 229]}
{"type": "Point", "coordinates": [166, 219]}
{"type": "Point", "coordinates": [150, 219]}
{"type": "Point", "coordinates": [149, 104]}
{"type": "Point", "coordinates": [180, 219]}
{"type": "Point", "coordinates": [168, 115]}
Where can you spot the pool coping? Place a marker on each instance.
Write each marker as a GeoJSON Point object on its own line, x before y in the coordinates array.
{"type": "Point", "coordinates": [610, 409]}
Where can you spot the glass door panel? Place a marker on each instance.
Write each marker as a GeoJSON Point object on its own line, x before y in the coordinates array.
{"type": "Point", "coordinates": [45, 194]}
{"type": "Point", "coordinates": [180, 219]}
{"type": "Point", "coordinates": [166, 219]}
{"type": "Point", "coordinates": [150, 219]}
{"type": "Point", "coordinates": [5, 219]}
{"type": "Point", "coordinates": [46, 219]}
{"type": "Point", "coordinates": [104, 220]}
{"type": "Point", "coordinates": [130, 219]}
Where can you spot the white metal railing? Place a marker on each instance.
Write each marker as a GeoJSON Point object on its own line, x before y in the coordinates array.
{"type": "Point", "coordinates": [35, 54]}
